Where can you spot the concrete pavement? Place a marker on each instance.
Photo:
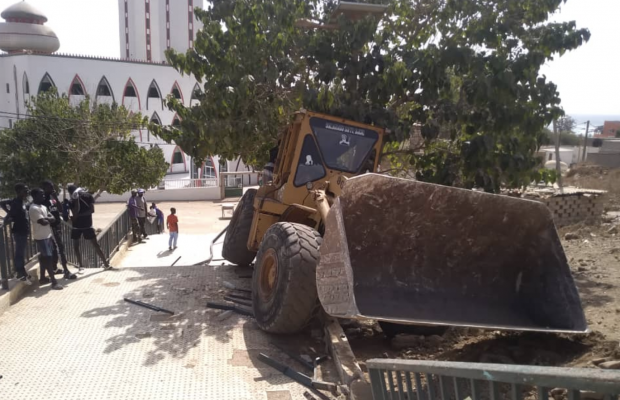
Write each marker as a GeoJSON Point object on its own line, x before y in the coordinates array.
{"type": "Point", "coordinates": [85, 342]}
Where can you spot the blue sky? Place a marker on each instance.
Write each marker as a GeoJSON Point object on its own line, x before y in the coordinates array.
{"type": "Point", "coordinates": [588, 78]}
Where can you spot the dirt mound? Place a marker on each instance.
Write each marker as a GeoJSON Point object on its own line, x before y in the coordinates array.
{"type": "Point", "coordinates": [586, 170]}
{"type": "Point", "coordinates": [596, 177]}
{"type": "Point", "coordinates": [474, 345]}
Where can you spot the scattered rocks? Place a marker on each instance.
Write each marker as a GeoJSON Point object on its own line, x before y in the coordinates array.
{"type": "Point", "coordinates": [353, 331]}
{"type": "Point", "coordinates": [405, 341]}
{"type": "Point", "coordinates": [582, 269]}
{"type": "Point", "coordinates": [434, 339]}
{"type": "Point", "coordinates": [571, 236]}
{"type": "Point", "coordinates": [147, 294]}
{"type": "Point", "coordinates": [598, 361]}
{"type": "Point", "coordinates": [558, 393]}
{"type": "Point", "coordinates": [610, 364]}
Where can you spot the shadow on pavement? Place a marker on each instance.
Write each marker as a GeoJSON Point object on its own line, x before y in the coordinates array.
{"type": "Point", "coordinates": [183, 290]}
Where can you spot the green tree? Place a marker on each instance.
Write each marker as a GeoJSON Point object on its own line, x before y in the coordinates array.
{"type": "Point", "coordinates": [618, 133]}
{"type": "Point", "coordinates": [466, 70]}
{"type": "Point", "coordinates": [89, 144]}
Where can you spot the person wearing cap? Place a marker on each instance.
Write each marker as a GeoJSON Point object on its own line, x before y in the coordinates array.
{"type": "Point", "coordinates": [142, 212]}
{"type": "Point", "coordinates": [134, 208]}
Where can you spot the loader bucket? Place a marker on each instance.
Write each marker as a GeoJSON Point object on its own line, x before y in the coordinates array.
{"type": "Point", "coordinates": [409, 252]}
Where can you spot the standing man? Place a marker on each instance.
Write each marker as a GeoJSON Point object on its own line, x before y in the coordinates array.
{"type": "Point", "coordinates": [134, 208]}
{"type": "Point", "coordinates": [142, 212]}
{"type": "Point", "coordinates": [82, 210]}
{"type": "Point", "coordinates": [54, 207]}
{"type": "Point", "coordinates": [42, 233]}
{"type": "Point", "coordinates": [16, 213]}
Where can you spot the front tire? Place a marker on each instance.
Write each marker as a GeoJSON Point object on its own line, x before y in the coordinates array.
{"type": "Point", "coordinates": [284, 294]}
{"type": "Point", "coordinates": [235, 247]}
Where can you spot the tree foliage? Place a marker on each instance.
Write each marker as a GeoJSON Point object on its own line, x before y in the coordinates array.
{"type": "Point", "coordinates": [89, 144]}
{"type": "Point", "coordinates": [466, 70]}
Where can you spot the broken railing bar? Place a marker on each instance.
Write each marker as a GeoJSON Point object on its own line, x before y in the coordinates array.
{"type": "Point", "coordinates": [294, 356]}
{"type": "Point", "coordinates": [243, 302]}
{"type": "Point", "coordinates": [298, 377]}
{"type": "Point", "coordinates": [149, 306]}
{"type": "Point", "coordinates": [236, 296]}
{"type": "Point", "coordinates": [238, 310]}
{"type": "Point", "coordinates": [208, 260]}
{"type": "Point", "coordinates": [597, 380]}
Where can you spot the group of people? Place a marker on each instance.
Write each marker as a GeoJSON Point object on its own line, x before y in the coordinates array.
{"type": "Point", "coordinates": [137, 212]}
{"type": "Point", "coordinates": [44, 214]}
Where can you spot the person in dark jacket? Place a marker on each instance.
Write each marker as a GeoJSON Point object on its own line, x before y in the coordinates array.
{"type": "Point", "coordinates": [82, 210]}
{"type": "Point", "coordinates": [17, 215]}
{"type": "Point", "coordinates": [159, 216]}
{"type": "Point", "coordinates": [54, 206]}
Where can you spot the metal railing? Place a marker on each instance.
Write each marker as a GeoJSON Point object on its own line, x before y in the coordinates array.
{"type": "Point", "coordinates": [431, 380]}
{"type": "Point", "coordinates": [109, 240]}
{"type": "Point", "coordinates": [187, 183]}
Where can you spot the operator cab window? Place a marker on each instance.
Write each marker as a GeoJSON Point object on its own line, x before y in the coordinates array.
{"type": "Point", "coordinates": [310, 166]}
{"type": "Point", "coordinates": [344, 147]}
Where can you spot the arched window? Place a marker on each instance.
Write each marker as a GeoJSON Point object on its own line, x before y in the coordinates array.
{"type": "Point", "coordinates": [26, 88]}
{"type": "Point", "coordinates": [177, 156]}
{"type": "Point", "coordinates": [176, 121]}
{"type": "Point", "coordinates": [154, 93]}
{"type": "Point", "coordinates": [154, 120]}
{"type": "Point", "coordinates": [77, 87]}
{"type": "Point", "coordinates": [130, 92]}
{"type": "Point", "coordinates": [196, 92]}
{"type": "Point", "coordinates": [104, 89]}
{"type": "Point", "coordinates": [46, 83]}
{"type": "Point", "coordinates": [176, 92]}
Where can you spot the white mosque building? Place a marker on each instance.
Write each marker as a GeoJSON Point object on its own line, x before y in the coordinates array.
{"type": "Point", "coordinates": [140, 79]}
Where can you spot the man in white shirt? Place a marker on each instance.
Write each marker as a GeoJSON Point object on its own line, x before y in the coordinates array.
{"type": "Point", "coordinates": [42, 233]}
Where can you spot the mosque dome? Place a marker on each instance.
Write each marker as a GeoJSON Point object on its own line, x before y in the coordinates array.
{"type": "Point", "coordinates": [24, 30]}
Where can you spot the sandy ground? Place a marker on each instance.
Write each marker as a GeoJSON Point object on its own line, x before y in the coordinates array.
{"type": "Point", "coordinates": [195, 217]}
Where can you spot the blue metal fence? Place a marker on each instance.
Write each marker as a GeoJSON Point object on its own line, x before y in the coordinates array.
{"type": "Point", "coordinates": [431, 380]}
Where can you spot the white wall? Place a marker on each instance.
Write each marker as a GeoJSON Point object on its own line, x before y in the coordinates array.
{"type": "Point", "coordinates": [193, 194]}
{"type": "Point", "coordinates": [63, 70]}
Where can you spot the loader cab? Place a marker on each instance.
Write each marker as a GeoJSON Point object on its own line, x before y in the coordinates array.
{"type": "Point", "coordinates": [319, 148]}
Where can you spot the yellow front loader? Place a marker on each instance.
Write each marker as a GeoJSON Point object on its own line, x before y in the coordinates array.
{"type": "Point", "coordinates": [328, 231]}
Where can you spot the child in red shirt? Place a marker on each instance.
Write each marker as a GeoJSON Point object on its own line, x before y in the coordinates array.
{"type": "Point", "coordinates": [172, 222]}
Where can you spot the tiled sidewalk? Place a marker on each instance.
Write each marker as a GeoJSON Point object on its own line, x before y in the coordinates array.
{"type": "Point", "coordinates": [85, 342]}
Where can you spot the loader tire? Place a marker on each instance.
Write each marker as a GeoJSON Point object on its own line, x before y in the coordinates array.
{"type": "Point", "coordinates": [284, 294]}
{"type": "Point", "coordinates": [235, 247]}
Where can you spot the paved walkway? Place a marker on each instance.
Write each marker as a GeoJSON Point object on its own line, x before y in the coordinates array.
{"type": "Point", "coordinates": [85, 342]}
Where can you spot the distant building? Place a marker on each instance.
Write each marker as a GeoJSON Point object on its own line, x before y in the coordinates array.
{"type": "Point", "coordinates": [139, 80]}
{"type": "Point", "coordinates": [610, 129]}
{"type": "Point", "coordinates": [149, 27]}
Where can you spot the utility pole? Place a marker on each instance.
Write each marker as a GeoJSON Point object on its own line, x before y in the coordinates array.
{"type": "Point", "coordinates": [585, 143]}
{"type": "Point", "coordinates": [558, 168]}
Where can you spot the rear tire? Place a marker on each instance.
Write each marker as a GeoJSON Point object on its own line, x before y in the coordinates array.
{"type": "Point", "coordinates": [284, 295]}
{"type": "Point", "coordinates": [235, 247]}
